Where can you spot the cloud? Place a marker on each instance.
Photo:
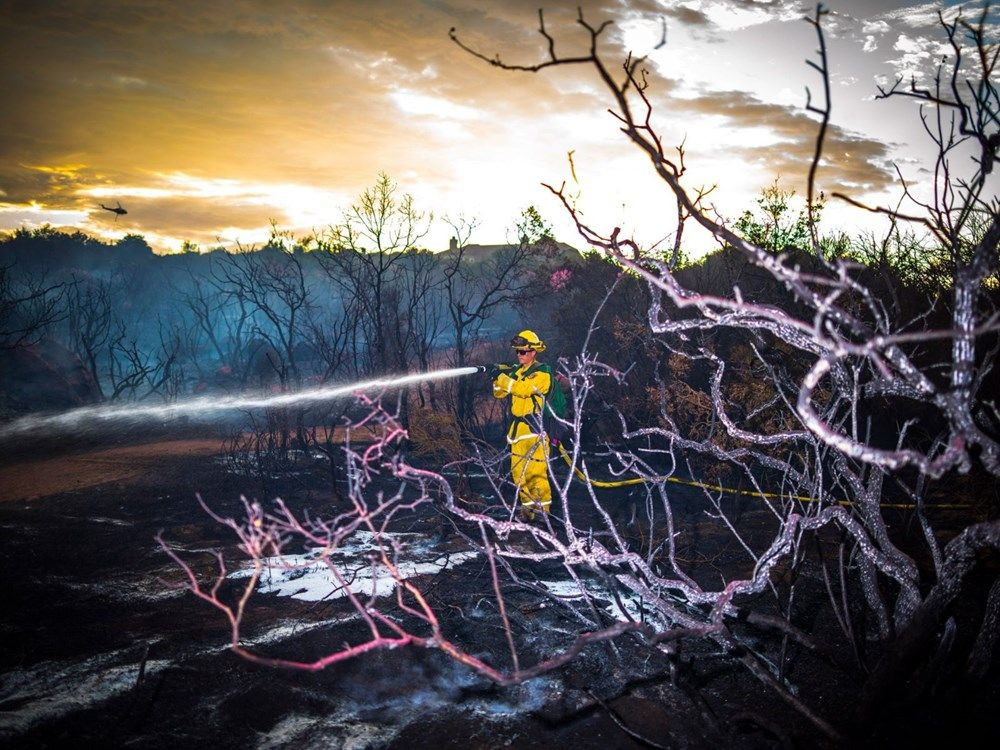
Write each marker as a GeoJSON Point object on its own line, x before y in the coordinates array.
{"type": "Point", "coordinates": [914, 16]}
{"type": "Point", "coordinates": [926, 17]}
{"type": "Point", "coordinates": [417, 103]}
{"type": "Point", "coordinates": [195, 219]}
{"type": "Point", "coordinates": [34, 215]}
{"type": "Point", "coordinates": [130, 81]}
{"type": "Point", "coordinates": [178, 205]}
{"type": "Point", "coordinates": [719, 17]}
{"type": "Point", "coordinates": [919, 56]}
{"type": "Point", "coordinates": [875, 26]}
{"type": "Point", "coordinates": [850, 162]}
{"type": "Point", "coordinates": [288, 110]}
{"type": "Point", "coordinates": [688, 15]}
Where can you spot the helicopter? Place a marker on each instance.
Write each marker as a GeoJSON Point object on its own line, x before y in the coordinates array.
{"type": "Point", "coordinates": [116, 210]}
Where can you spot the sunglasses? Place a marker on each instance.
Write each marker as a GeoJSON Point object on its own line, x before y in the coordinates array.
{"type": "Point", "coordinates": [522, 351]}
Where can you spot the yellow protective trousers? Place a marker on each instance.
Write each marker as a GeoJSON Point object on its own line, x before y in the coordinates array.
{"type": "Point", "coordinates": [529, 465]}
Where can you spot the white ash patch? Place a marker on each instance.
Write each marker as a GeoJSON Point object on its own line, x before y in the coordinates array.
{"type": "Point", "coordinates": [342, 730]}
{"type": "Point", "coordinates": [129, 590]}
{"type": "Point", "coordinates": [48, 690]}
{"type": "Point", "coordinates": [310, 576]}
{"type": "Point", "coordinates": [293, 628]}
{"type": "Point", "coordinates": [570, 590]}
{"type": "Point", "coordinates": [110, 521]}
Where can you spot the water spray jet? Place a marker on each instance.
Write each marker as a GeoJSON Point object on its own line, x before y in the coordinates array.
{"type": "Point", "coordinates": [88, 415]}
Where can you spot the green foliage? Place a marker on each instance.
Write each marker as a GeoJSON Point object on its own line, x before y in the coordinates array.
{"type": "Point", "coordinates": [774, 225]}
{"type": "Point", "coordinates": [531, 228]}
{"type": "Point", "coordinates": [134, 241]}
{"type": "Point", "coordinates": [681, 259]}
{"type": "Point", "coordinates": [380, 221]}
{"type": "Point", "coordinates": [903, 260]}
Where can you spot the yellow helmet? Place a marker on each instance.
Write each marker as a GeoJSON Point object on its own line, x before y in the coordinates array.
{"type": "Point", "coordinates": [528, 340]}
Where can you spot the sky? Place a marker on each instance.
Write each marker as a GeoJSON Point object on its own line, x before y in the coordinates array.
{"type": "Point", "coordinates": [211, 122]}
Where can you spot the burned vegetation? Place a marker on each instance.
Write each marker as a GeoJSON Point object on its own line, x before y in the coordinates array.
{"type": "Point", "coordinates": [775, 510]}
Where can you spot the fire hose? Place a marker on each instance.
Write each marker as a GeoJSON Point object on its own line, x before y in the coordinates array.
{"type": "Point", "coordinates": [605, 484]}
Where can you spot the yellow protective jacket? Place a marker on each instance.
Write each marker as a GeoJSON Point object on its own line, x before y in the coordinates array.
{"type": "Point", "coordinates": [529, 451]}
{"type": "Point", "coordinates": [527, 388]}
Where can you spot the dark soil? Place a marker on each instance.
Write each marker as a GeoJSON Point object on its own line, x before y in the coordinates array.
{"type": "Point", "coordinates": [100, 649]}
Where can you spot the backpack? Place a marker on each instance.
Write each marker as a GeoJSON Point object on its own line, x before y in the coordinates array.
{"type": "Point", "coordinates": [555, 405]}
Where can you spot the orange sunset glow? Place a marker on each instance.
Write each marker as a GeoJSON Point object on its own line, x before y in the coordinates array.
{"type": "Point", "coordinates": [210, 121]}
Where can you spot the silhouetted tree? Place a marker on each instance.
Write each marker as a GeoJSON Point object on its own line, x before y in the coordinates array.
{"type": "Point", "coordinates": [476, 288]}
{"type": "Point", "coordinates": [28, 308]}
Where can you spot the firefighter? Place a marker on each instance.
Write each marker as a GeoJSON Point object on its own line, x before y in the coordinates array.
{"type": "Point", "coordinates": [527, 384]}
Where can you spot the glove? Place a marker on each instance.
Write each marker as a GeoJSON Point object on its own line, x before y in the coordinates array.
{"type": "Point", "coordinates": [496, 370]}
